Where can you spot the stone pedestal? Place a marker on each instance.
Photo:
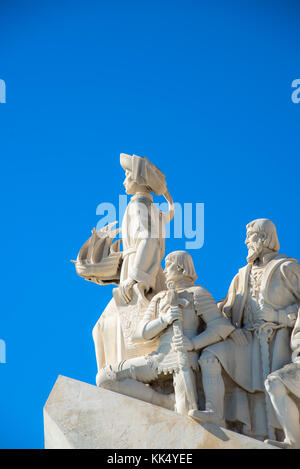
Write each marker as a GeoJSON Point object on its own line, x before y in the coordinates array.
{"type": "Point", "coordinates": [79, 415]}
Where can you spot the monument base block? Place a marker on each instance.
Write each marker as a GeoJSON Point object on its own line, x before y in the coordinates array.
{"type": "Point", "coordinates": [81, 416]}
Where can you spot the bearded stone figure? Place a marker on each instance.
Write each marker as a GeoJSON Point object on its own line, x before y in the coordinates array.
{"type": "Point", "coordinates": [262, 303]}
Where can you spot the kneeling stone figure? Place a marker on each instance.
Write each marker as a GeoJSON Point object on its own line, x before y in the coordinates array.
{"type": "Point", "coordinates": [198, 322]}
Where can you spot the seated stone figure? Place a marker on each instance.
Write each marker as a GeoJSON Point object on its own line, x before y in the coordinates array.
{"type": "Point", "coordinates": [186, 318]}
{"type": "Point", "coordinates": [283, 387]}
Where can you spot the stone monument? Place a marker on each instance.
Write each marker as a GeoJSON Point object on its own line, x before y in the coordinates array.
{"type": "Point", "coordinates": [262, 303]}
{"type": "Point", "coordinates": [221, 375]}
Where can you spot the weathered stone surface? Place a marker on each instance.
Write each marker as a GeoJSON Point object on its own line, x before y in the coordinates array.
{"type": "Point", "coordinates": [79, 415]}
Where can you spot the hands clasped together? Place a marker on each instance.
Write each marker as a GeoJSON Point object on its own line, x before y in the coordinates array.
{"type": "Point", "coordinates": [168, 315]}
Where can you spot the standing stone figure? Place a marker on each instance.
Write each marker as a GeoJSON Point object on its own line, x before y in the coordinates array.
{"type": "Point", "coordinates": [262, 303]}
{"type": "Point", "coordinates": [137, 269]}
{"type": "Point", "coordinates": [200, 324]}
{"type": "Point", "coordinates": [283, 387]}
{"type": "Point", "coordinates": [143, 231]}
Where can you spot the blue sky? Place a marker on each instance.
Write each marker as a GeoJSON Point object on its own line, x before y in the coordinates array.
{"type": "Point", "coordinates": [203, 89]}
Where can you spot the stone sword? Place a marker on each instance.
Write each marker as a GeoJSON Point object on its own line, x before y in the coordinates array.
{"type": "Point", "coordinates": [184, 366]}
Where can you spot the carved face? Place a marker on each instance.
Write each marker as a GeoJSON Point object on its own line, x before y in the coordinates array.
{"type": "Point", "coordinates": [254, 242]}
{"type": "Point", "coordinates": [129, 184]}
{"type": "Point", "coordinates": [172, 271]}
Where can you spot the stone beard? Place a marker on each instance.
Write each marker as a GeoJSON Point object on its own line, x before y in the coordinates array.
{"type": "Point", "coordinates": [254, 251]}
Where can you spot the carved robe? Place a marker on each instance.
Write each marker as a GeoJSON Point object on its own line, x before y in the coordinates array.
{"type": "Point", "coordinates": [143, 237]}
{"type": "Point", "coordinates": [290, 374]}
{"type": "Point", "coordinates": [277, 284]}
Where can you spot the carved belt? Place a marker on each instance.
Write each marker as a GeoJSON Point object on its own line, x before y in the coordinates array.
{"type": "Point", "coordinates": [263, 329]}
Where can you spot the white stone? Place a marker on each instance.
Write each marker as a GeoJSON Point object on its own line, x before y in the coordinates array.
{"type": "Point", "coordinates": [240, 344]}
{"type": "Point", "coordinates": [283, 387]}
{"type": "Point", "coordinates": [81, 416]}
{"type": "Point", "coordinates": [262, 303]}
{"type": "Point", "coordinates": [185, 318]}
{"type": "Point", "coordinates": [138, 265]}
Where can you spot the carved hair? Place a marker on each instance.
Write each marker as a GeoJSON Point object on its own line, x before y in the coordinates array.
{"type": "Point", "coordinates": [185, 262]}
{"type": "Point", "coordinates": [267, 228]}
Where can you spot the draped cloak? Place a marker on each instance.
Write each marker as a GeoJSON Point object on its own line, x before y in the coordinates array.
{"type": "Point", "coordinates": [143, 238]}
{"type": "Point", "coordinates": [280, 288]}
{"type": "Point", "coordinates": [290, 374]}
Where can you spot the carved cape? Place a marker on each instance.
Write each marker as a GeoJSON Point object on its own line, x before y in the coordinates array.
{"type": "Point", "coordinates": [280, 288]}
{"type": "Point", "coordinates": [142, 255]}
{"type": "Point", "coordinates": [290, 374]}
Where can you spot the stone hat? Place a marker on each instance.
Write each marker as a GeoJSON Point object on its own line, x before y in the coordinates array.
{"type": "Point", "coordinates": [144, 172]}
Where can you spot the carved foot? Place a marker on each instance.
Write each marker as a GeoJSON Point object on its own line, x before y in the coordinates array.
{"type": "Point", "coordinates": [105, 375]}
{"type": "Point", "coordinates": [279, 444]}
{"type": "Point", "coordinates": [206, 416]}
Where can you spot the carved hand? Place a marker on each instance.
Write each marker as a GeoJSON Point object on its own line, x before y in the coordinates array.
{"type": "Point", "coordinates": [126, 289]}
{"type": "Point", "coordinates": [239, 338]}
{"type": "Point", "coordinates": [268, 314]}
{"type": "Point", "coordinates": [172, 314]}
{"type": "Point", "coordinates": [182, 343]}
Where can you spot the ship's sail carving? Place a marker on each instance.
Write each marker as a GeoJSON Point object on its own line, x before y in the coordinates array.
{"type": "Point", "coordinates": [99, 260]}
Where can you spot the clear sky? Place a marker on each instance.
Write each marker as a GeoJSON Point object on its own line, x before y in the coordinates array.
{"type": "Point", "coordinates": [202, 88]}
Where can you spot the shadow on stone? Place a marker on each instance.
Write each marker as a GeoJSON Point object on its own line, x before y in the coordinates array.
{"type": "Point", "coordinates": [216, 431]}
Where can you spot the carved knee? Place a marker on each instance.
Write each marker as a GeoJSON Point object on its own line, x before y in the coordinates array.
{"type": "Point", "coordinates": [208, 360]}
{"type": "Point", "coordinates": [207, 357]}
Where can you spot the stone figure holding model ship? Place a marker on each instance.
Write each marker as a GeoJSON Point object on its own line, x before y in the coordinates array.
{"type": "Point", "coordinates": [136, 270]}
{"type": "Point", "coordinates": [161, 326]}
{"type": "Point", "coordinates": [185, 318]}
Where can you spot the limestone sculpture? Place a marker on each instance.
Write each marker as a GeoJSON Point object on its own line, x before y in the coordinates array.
{"type": "Point", "coordinates": [136, 270]}
{"type": "Point", "coordinates": [163, 340]}
{"type": "Point", "coordinates": [262, 304]}
{"type": "Point", "coordinates": [283, 387]}
{"type": "Point", "coordinates": [185, 318]}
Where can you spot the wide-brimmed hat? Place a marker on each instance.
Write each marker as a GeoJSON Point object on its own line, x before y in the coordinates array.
{"type": "Point", "coordinates": [143, 172]}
